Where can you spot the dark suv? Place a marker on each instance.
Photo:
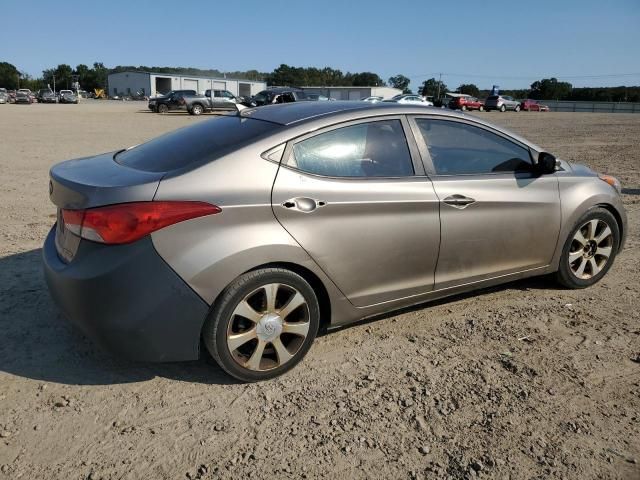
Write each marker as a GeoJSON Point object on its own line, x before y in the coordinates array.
{"type": "Point", "coordinates": [169, 101]}
{"type": "Point", "coordinates": [276, 95]}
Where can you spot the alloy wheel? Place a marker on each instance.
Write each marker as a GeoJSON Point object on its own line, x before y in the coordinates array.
{"type": "Point", "coordinates": [268, 327]}
{"type": "Point", "coordinates": [590, 249]}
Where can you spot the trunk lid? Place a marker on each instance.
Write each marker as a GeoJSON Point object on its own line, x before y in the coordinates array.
{"type": "Point", "coordinates": [97, 181]}
{"type": "Point", "coordinates": [93, 182]}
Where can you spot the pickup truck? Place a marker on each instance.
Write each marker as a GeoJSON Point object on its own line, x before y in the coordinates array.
{"type": "Point", "coordinates": [220, 100]}
{"type": "Point", "coordinates": [169, 101]}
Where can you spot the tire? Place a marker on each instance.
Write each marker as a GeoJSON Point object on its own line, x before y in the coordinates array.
{"type": "Point", "coordinates": [196, 109]}
{"type": "Point", "coordinates": [162, 109]}
{"type": "Point", "coordinates": [572, 274]}
{"type": "Point", "coordinates": [517, 109]}
{"type": "Point", "coordinates": [503, 108]}
{"type": "Point", "coordinates": [481, 108]}
{"type": "Point", "coordinates": [463, 108]}
{"type": "Point", "coordinates": [257, 355]}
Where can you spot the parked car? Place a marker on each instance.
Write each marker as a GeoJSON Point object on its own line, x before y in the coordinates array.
{"type": "Point", "coordinates": [67, 96]}
{"type": "Point", "coordinates": [4, 95]}
{"type": "Point", "coordinates": [12, 96]}
{"type": "Point", "coordinates": [23, 97]}
{"type": "Point", "coordinates": [29, 93]}
{"type": "Point", "coordinates": [529, 105]}
{"type": "Point", "coordinates": [373, 99]}
{"type": "Point", "coordinates": [501, 103]}
{"type": "Point", "coordinates": [169, 101]}
{"type": "Point", "coordinates": [466, 102]}
{"type": "Point", "coordinates": [248, 231]}
{"type": "Point", "coordinates": [409, 99]}
{"type": "Point", "coordinates": [46, 96]}
{"type": "Point", "coordinates": [276, 95]}
{"type": "Point", "coordinates": [221, 100]}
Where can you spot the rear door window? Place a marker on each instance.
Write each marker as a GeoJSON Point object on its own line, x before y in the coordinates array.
{"type": "Point", "coordinates": [373, 149]}
{"type": "Point", "coordinates": [458, 148]}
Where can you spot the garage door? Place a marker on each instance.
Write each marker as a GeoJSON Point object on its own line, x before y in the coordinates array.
{"type": "Point", "coordinates": [219, 85]}
{"type": "Point", "coordinates": [190, 85]}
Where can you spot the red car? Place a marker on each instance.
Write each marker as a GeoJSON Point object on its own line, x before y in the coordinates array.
{"type": "Point", "coordinates": [465, 102]}
{"type": "Point", "coordinates": [533, 106]}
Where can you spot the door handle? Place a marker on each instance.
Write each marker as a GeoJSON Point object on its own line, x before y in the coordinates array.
{"type": "Point", "coordinates": [459, 201]}
{"type": "Point", "coordinates": [303, 204]}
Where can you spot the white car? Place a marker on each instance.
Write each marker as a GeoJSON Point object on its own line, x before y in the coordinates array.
{"type": "Point", "coordinates": [374, 99]}
{"type": "Point", "coordinates": [411, 99]}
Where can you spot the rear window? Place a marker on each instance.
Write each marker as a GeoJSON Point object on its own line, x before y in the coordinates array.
{"type": "Point", "coordinates": [198, 144]}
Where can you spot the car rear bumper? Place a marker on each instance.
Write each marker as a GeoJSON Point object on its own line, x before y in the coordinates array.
{"type": "Point", "coordinates": [127, 299]}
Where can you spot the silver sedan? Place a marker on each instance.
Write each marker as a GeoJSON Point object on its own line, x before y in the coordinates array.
{"type": "Point", "coordinates": [252, 231]}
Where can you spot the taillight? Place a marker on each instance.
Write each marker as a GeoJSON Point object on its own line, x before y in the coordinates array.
{"type": "Point", "coordinates": [128, 222]}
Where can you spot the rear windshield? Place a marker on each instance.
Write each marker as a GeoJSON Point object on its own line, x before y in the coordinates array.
{"type": "Point", "coordinates": [197, 144]}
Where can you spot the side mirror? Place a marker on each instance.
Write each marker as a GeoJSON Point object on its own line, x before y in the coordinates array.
{"type": "Point", "coordinates": [546, 163]}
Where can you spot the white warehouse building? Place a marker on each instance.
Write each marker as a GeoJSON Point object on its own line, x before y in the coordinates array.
{"type": "Point", "coordinates": [354, 93]}
{"type": "Point", "coordinates": [150, 84]}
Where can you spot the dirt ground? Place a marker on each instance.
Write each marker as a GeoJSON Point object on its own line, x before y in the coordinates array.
{"type": "Point", "coordinates": [517, 382]}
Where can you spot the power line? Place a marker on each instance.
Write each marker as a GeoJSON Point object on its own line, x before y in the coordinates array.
{"type": "Point", "coordinates": [521, 77]}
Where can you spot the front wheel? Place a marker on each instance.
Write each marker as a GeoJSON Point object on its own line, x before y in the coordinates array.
{"type": "Point", "coordinates": [517, 109]}
{"type": "Point", "coordinates": [590, 249]}
{"type": "Point", "coordinates": [196, 109]}
{"type": "Point", "coordinates": [263, 324]}
{"type": "Point", "coordinates": [481, 109]}
{"type": "Point", "coordinates": [503, 108]}
{"type": "Point", "coordinates": [463, 108]}
{"type": "Point", "coordinates": [162, 108]}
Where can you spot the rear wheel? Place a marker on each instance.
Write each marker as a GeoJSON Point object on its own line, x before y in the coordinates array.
{"type": "Point", "coordinates": [162, 108]}
{"type": "Point", "coordinates": [263, 324]}
{"type": "Point", "coordinates": [503, 108]}
{"type": "Point", "coordinates": [481, 108]}
{"type": "Point", "coordinates": [196, 109]}
{"type": "Point", "coordinates": [590, 249]}
{"type": "Point", "coordinates": [517, 109]}
{"type": "Point", "coordinates": [463, 108]}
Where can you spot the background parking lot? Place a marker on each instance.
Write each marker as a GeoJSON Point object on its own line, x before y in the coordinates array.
{"type": "Point", "coordinates": [520, 381]}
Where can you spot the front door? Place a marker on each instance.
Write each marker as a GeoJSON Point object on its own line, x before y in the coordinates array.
{"type": "Point", "coordinates": [497, 216]}
{"type": "Point", "coordinates": [355, 197]}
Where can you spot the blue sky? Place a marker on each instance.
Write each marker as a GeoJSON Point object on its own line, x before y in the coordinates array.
{"type": "Point", "coordinates": [509, 43]}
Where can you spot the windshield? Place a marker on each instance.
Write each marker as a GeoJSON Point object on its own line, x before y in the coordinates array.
{"type": "Point", "coordinates": [198, 144]}
{"type": "Point", "coordinates": [262, 96]}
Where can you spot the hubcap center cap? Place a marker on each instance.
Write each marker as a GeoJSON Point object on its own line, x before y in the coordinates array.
{"type": "Point", "coordinates": [269, 327]}
{"type": "Point", "coordinates": [590, 249]}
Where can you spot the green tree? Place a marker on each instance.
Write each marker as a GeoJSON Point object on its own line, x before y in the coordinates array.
{"type": "Point", "coordinates": [366, 79]}
{"type": "Point", "coordinates": [469, 89]}
{"type": "Point", "coordinates": [433, 88]}
{"type": "Point", "coordinates": [401, 82]}
{"type": "Point", "coordinates": [550, 89]}
{"type": "Point", "coordinates": [9, 75]}
{"type": "Point", "coordinates": [62, 74]}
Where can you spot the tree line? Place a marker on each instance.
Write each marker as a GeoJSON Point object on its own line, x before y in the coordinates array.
{"type": "Point", "coordinates": [95, 76]}
{"type": "Point", "coordinates": [545, 89]}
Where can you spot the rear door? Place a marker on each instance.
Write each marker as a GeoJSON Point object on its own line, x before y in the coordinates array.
{"type": "Point", "coordinates": [497, 216]}
{"type": "Point", "coordinates": [355, 197]}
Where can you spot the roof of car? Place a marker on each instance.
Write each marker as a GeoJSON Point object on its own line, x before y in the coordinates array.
{"type": "Point", "coordinates": [283, 89]}
{"type": "Point", "coordinates": [296, 113]}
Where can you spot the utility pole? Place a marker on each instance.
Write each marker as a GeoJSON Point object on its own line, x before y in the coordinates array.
{"type": "Point", "coordinates": [439, 83]}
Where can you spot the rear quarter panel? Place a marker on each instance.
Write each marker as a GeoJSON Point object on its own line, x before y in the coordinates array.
{"type": "Point", "coordinates": [210, 252]}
